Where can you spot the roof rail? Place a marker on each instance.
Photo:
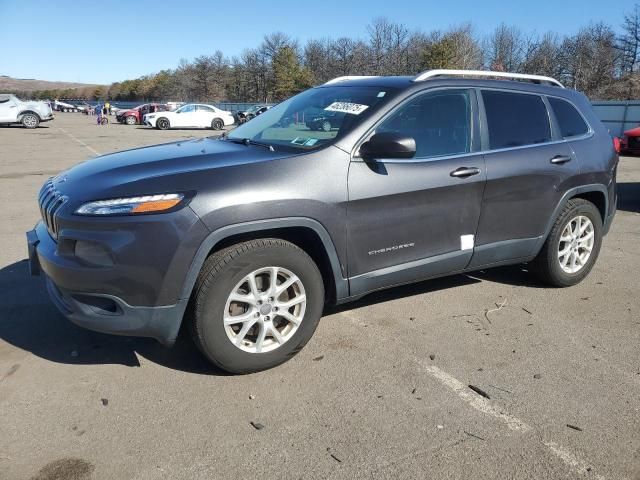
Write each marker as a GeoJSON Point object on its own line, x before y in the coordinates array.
{"type": "Point", "coordinates": [428, 74]}
{"type": "Point", "coordinates": [348, 77]}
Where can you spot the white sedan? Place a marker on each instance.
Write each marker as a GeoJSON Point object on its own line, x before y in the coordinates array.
{"type": "Point", "coordinates": [192, 115]}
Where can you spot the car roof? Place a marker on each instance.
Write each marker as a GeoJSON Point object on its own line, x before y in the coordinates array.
{"type": "Point", "coordinates": [406, 83]}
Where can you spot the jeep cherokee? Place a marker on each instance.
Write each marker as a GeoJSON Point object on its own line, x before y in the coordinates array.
{"type": "Point", "coordinates": [248, 236]}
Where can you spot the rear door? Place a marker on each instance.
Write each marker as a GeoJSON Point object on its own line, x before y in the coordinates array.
{"type": "Point", "coordinates": [205, 115]}
{"type": "Point", "coordinates": [8, 109]}
{"type": "Point", "coordinates": [416, 218]}
{"type": "Point", "coordinates": [529, 167]}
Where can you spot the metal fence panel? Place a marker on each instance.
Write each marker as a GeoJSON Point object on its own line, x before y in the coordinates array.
{"type": "Point", "coordinates": [618, 116]}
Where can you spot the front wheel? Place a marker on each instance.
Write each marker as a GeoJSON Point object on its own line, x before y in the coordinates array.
{"type": "Point", "coordinates": [30, 120]}
{"type": "Point", "coordinates": [573, 245]}
{"type": "Point", "coordinates": [162, 124]}
{"type": "Point", "coordinates": [255, 305]}
{"type": "Point", "coordinates": [130, 120]}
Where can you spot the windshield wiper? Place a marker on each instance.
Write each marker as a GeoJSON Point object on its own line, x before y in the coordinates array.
{"type": "Point", "coordinates": [248, 141]}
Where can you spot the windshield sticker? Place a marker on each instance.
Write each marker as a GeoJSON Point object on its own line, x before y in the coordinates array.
{"type": "Point", "coordinates": [300, 140]}
{"type": "Point", "coordinates": [381, 94]}
{"type": "Point", "coordinates": [311, 142]}
{"type": "Point", "coordinates": [346, 107]}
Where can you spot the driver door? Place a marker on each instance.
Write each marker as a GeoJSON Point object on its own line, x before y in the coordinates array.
{"type": "Point", "coordinates": [416, 218]}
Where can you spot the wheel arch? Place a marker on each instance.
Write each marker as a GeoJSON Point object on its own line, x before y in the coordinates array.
{"type": "Point", "coordinates": [306, 233]}
{"type": "Point", "coordinates": [25, 112]}
{"type": "Point", "coordinates": [595, 193]}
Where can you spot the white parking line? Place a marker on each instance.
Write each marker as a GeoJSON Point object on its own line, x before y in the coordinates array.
{"type": "Point", "coordinates": [72, 137]}
{"type": "Point", "coordinates": [570, 459]}
{"type": "Point", "coordinates": [485, 406]}
{"type": "Point", "coordinates": [479, 403]}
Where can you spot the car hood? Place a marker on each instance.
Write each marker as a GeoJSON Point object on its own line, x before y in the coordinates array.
{"type": "Point", "coordinates": [634, 132]}
{"type": "Point", "coordinates": [177, 166]}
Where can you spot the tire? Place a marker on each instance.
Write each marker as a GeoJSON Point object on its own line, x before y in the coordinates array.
{"type": "Point", "coordinates": [30, 120]}
{"type": "Point", "coordinates": [163, 123]}
{"type": "Point", "coordinates": [130, 120]}
{"type": "Point", "coordinates": [217, 124]}
{"type": "Point", "coordinates": [326, 126]}
{"type": "Point", "coordinates": [222, 274]}
{"type": "Point", "coordinates": [547, 265]}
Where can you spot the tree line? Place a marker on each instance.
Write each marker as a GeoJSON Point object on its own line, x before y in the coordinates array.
{"type": "Point", "coordinates": [596, 60]}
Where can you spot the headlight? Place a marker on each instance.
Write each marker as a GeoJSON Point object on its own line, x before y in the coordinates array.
{"type": "Point", "coordinates": [132, 205]}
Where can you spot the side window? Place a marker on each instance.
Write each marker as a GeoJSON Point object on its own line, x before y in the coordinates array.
{"type": "Point", "coordinates": [204, 108]}
{"type": "Point", "coordinates": [440, 123]}
{"type": "Point", "coordinates": [570, 121]}
{"type": "Point", "coordinates": [188, 109]}
{"type": "Point", "coordinates": [515, 119]}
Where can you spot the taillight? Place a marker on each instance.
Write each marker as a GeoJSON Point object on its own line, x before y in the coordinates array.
{"type": "Point", "coordinates": [616, 144]}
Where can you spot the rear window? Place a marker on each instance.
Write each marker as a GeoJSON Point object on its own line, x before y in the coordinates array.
{"type": "Point", "coordinates": [515, 119]}
{"type": "Point", "coordinates": [569, 119]}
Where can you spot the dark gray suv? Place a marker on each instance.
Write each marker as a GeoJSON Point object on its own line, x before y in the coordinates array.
{"type": "Point", "coordinates": [246, 238]}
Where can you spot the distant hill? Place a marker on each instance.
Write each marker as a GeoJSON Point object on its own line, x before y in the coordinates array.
{"type": "Point", "coordinates": [9, 84]}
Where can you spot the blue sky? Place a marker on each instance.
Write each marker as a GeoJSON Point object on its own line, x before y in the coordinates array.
{"type": "Point", "coordinates": [105, 41]}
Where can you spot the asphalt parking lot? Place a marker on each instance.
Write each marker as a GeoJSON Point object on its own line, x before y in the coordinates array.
{"type": "Point", "coordinates": [381, 391]}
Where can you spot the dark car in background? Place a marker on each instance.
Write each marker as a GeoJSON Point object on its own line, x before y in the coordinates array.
{"type": "Point", "coordinates": [246, 238]}
{"type": "Point", "coordinates": [325, 122]}
{"type": "Point", "coordinates": [246, 115]}
{"type": "Point", "coordinates": [135, 115]}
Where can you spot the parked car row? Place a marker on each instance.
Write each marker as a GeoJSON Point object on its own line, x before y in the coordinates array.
{"type": "Point", "coordinates": [156, 115]}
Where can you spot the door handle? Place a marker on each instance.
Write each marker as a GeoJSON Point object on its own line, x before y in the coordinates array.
{"type": "Point", "coordinates": [464, 172]}
{"type": "Point", "coordinates": [560, 159]}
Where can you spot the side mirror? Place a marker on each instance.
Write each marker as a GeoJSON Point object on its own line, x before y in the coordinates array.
{"type": "Point", "coordinates": [388, 145]}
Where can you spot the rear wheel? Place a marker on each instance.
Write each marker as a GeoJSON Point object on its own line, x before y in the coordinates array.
{"type": "Point", "coordinates": [130, 120]}
{"type": "Point", "coordinates": [217, 124]}
{"type": "Point", "coordinates": [30, 120]}
{"type": "Point", "coordinates": [162, 124]}
{"type": "Point", "coordinates": [573, 245]}
{"type": "Point", "coordinates": [255, 305]}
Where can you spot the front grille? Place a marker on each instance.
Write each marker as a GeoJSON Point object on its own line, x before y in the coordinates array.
{"type": "Point", "coordinates": [50, 201]}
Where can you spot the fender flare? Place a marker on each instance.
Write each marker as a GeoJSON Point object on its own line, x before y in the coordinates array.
{"type": "Point", "coordinates": [24, 112]}
{"type": "Point", "coordinates": [215, 237]}
{"type": "Point", "coordinates": [595, 187]}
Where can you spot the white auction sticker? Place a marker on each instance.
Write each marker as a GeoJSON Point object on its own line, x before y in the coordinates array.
{"type": "Point", "coordinates": [346, 107]}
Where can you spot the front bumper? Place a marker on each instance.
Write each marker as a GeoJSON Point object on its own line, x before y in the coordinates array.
{"type": "Point", "coordinates": [109, 314]}
{"type": "Point", "coordinates": [86, 295]}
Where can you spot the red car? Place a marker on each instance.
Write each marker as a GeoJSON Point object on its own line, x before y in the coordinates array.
{"type": "Point", "coordinates": [135, 115]}
{"type": "Point", "coordinates": [630, 141]}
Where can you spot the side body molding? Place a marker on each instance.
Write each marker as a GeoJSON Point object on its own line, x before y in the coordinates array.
{"type": "Point", "coordinates": [341, 284]}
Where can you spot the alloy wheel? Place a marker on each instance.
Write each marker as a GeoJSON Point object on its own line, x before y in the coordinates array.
{"type": "Point", "coordinates": [264, 310]}
{"type": "Point", "coordinates": [576, 243]}
{"type": "Point", "coordinates": [30, 121]}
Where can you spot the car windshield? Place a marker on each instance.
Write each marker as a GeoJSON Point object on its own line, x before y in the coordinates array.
{"type": "Point", "coordinates": [314, 118]}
